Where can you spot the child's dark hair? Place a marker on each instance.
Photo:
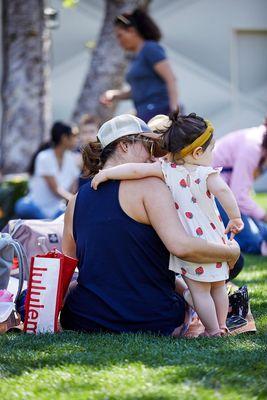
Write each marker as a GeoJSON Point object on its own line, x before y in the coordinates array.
{"type": "Point", "coordinates": [183, 131]}
{"type": "Point", "coordinates": [142, 22]}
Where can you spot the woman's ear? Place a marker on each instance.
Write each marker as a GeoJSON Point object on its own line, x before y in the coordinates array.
{"type": "Point", "coordinates": [197, 153]}
{"type": "Point", "coordinates": [124, 146]}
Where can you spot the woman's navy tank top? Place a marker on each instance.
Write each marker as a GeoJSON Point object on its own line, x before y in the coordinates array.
{"type": "Point", "coordinates": [124, 284]}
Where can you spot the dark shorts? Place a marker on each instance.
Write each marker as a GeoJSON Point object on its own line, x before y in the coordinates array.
{"type": "Point", "coordinates": [73, 321]}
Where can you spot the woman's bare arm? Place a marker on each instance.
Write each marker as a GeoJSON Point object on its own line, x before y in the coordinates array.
{"type": "Point", "coordinates": [162, 215]}
{"type": "Point", "coordinates": [57, 190]}
{"type": "Point", "coordinates": [164, 70]}
{"type": "Point", "coordinates": [68, 242]}
{"type": "Point", "coordinates": [112, 95]}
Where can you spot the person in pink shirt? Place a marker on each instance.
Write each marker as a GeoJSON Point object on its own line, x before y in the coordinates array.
{"type": "Point", "coordinates": [243, 156]}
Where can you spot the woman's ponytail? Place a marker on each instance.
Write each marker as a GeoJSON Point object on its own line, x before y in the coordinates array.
{"type": "Point", "coordinates": [91, 154]}
{"type": "Point", "coordinates": [94, 157]}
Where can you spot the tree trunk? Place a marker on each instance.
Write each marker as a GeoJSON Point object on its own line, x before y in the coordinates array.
{"type": "Point", "coordinates": [108, 63]}
{"type": "Point", "coordinates": [25, 86]}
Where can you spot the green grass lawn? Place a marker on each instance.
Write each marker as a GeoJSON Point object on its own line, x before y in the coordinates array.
{"type": "Point", "coordinates": [79, 366]}
{"type": "Point", "coordinates": [128, 367]}
{"type": "Point", "coordinates": [261, 198]}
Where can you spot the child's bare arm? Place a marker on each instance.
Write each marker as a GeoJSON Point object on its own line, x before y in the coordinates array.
{"type": "Point", "coordinates": [223, 193]}
{"type": "Point", "coordinates": [128, 171]}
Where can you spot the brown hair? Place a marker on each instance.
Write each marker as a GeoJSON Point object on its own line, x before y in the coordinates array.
{"type": "Point", "coordinates": [94, 157]}
{"type": "Point", "coordinates": [183, 130]}
{"type": "Point", "coordinates": [142, 22]}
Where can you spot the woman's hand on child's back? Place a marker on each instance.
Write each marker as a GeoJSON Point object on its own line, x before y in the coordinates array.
{"type": "Point", "coordinates": [100, 177]}
{"type": "Point", "coordinates": [234, 226]}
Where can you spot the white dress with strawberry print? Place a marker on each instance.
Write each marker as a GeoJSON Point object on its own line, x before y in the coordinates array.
{"type": "Point", "coordinates": [199, 215]}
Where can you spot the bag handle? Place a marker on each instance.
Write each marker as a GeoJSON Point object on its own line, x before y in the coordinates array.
{"type": "Point", "coordinates": [22, 261]}
{"type": "Point", "coordinates": [19, 252]}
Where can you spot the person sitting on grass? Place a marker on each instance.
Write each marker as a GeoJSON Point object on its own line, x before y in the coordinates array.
{"type": "Point", "coordinates": [122, 235]}
{"type": "Point", "coordinates": [243, 157]}
{"type": "Point", "coordinates": [193, 183]}
{"type": "Point", "coordinates": [53, 176]}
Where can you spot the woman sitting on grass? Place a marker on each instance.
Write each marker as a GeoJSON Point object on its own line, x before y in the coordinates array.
{"type": "Point", "coordinates": [122, 235]}
{"type": "Point", "coordinates": [243, 157]}
{"type": "Point", "coordinates": [193, 183]}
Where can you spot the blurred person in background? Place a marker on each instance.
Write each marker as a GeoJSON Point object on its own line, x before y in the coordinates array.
{"type": "Point", "coordinates": [152, 82]}
{"type": "Point", "coordinates": [88, 128]}
{"type": "Point", "coordinates": [53, 176]}
{"type": "Point", "coordinates": [243, 157]}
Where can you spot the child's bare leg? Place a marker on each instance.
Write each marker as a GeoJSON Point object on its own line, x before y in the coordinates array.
{"type": "Point", "coordinates": [182, 289]}
{"type": "Point", "coordinates": [221, 301]}
{"type": "Point", "coordinates": [204, 305]}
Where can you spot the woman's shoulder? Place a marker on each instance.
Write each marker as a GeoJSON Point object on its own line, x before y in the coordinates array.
{"type": "Point", "coordinates": [152, 47]}
{"type": "Point", "coordinates": [71, 155]}
{"type": "Point", "coordinates": [71, 164]}
{"type": "Point", "coordinates": [45, 155]}
{"type": "Point", "coordinates": [152, 44]}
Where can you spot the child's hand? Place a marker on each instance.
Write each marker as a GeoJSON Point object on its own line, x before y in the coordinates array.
{"type": "Point", "coordinates": [100, 177]}
{"type": "Point", "coordinates": [234, 226]}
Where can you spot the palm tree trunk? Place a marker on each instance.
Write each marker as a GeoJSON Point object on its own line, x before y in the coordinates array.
{"type": "Point", "coordinates": [25, 85]}
{"type": "Point", "coordinates": [106, 70]}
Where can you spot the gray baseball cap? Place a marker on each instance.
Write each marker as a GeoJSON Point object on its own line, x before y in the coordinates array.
{"type": "Point", "coordinates": [123, 125]}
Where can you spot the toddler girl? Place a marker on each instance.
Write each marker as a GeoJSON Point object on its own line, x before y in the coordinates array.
{"type": "Point", "coordinates": [193, 182]}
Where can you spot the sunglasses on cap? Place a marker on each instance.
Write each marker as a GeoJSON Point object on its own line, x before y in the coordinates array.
{"type": "Point", "coordinates": [149, 144]}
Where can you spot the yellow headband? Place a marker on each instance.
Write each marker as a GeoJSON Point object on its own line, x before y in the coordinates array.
{"type": "Point", "coordinates": [202, 139]}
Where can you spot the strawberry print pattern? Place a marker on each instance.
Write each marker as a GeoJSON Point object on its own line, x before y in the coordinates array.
{"type": "Point", "coordinates": [208, 194]}
{"type": "Point", "coordinates": [199, 216]}
{"type": "Point", "coordinates": [199, 231]}
{"type": "Point", "coordinates": [189, 215]}
{"type": "Point", "coordinates": [183, 183]}
{"type": "Point", "coordinates": [199, 270]}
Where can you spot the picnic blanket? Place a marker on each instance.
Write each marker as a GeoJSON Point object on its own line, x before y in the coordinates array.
{"type": "Point", "coordinates": [196, 327]}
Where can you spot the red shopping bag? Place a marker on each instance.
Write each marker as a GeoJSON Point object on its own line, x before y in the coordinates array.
{"type": "Point", "coordinates": [50, 276]}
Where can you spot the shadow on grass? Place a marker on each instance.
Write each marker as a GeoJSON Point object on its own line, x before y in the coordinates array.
{"type": "Point", "coordinates": [208, 362]}
{"type": "Point", "coordinates": [20, 352]}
